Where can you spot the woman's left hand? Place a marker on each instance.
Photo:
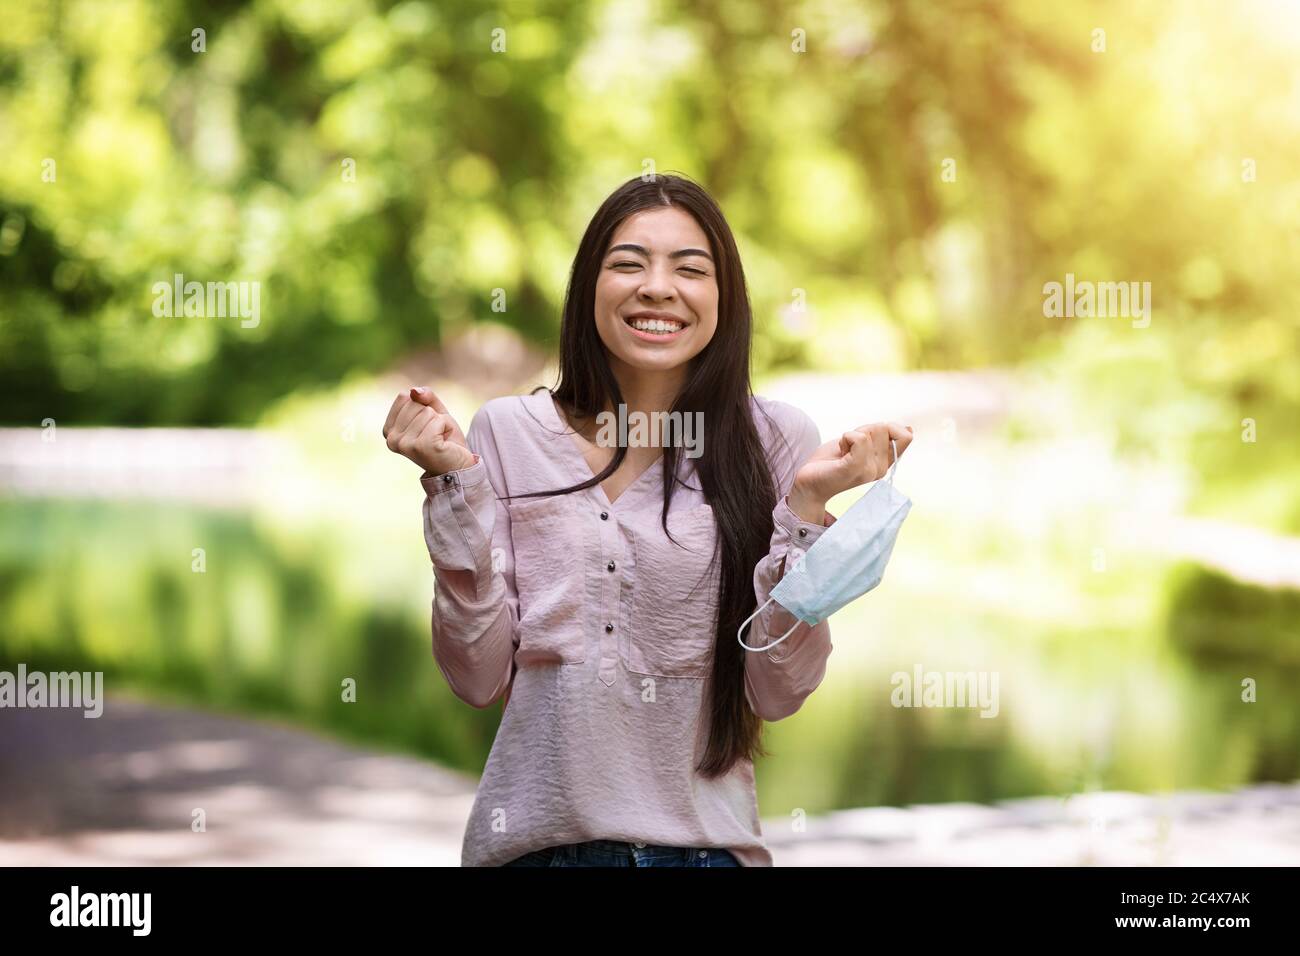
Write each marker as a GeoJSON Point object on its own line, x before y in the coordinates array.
{"type": "Point", "coordinates": [857, 457]}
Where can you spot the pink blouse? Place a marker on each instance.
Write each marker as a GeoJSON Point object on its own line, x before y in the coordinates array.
{"type": "Point", "coordinates": [598, 633]}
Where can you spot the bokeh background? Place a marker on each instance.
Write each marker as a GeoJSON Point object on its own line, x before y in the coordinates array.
{"type": "Point", "coordinates": [1105, 514]}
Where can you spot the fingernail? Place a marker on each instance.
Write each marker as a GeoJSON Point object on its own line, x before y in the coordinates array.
{"type": "Point", "coordinates": [418, 388]}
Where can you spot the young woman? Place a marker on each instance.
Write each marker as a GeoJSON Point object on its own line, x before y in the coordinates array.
{"type": "Point", "coordinates": [598, 590]}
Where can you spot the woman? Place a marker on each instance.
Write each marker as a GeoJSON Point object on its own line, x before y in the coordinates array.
{"type": "Point", "coordinates": [602, 604]}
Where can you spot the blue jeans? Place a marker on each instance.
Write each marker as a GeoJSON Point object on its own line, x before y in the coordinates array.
{"type": "Point", "coordinates": [619, 853]}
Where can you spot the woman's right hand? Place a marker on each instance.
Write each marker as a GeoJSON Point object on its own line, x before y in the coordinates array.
{"type": "Point", "coordinates": [420, 427]}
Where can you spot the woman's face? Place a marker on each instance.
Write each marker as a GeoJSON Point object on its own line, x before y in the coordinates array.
{"type": "Point", "coordinates": [657, 294]}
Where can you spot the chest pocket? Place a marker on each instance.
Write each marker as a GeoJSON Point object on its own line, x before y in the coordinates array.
{"type": "Point", "coordinates": [549, 580]}
{"type": "Point", "coordinates": [675, 596]}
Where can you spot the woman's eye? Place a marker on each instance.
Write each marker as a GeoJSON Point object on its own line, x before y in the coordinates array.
{"type": "Point", "coordinates": [636, 265]}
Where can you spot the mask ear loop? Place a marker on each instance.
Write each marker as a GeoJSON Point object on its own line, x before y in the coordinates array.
{"type": "Point", "coordinates": [889, 475]}
{"type": "Point", "coordinates": [765, 647]}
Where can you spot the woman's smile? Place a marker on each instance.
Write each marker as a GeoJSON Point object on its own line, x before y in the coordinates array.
{"type": "Point", "coordinates": [655, 326]}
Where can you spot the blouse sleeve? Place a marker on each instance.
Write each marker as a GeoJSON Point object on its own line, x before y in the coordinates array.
{"type": "Point", "coordinates": [778, 681]}
{"type": "Point", "coordinates": [475, 604]}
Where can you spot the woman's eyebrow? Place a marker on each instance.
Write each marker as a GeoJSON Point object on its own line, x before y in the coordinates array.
{"type": "Point", "coordinates": [679, 254]}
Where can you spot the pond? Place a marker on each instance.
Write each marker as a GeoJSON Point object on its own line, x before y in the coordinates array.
{"type": "Point", "coordinates": [1150, 676]}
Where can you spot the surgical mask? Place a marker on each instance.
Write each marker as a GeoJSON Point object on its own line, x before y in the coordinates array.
{"type": "Point", "coordinates": [845, 562]}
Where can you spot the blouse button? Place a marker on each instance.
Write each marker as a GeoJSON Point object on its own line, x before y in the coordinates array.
{"type": "Point", "coordinates": [608, 628]}
{"type": "Point", "coordinates": [604, 516]}
{"type": "Point", "coordinates": [803, 532]}
{"type": "Point", "coordinates": [610, 566]}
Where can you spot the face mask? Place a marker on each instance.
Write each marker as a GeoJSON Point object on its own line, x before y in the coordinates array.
{"type": "Point", "coordinates": [845, 562]}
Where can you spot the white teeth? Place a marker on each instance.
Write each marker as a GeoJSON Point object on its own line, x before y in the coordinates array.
{"type": "Point", "coordinates": [659, 326]}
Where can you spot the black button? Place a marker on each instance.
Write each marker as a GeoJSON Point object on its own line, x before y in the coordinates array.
{"type": "Point", "coordinates": [610, 566]}
{"type": "Point", "coordinates": [448, 479]}
{"type": "Point", "coordinates": [803, 532]}
{"type": "Point", "coordinates": [604, 516]}
{"type": "Point", "coordinates": [608, 628]}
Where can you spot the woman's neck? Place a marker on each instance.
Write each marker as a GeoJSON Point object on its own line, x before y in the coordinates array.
{"type": "Point", "coordinates": [642, 390]}
{"type": "Point", "coordinates": [647, 390]}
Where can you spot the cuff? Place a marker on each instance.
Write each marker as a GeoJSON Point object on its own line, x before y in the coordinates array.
{"type": "Point", "coordinates": [466, 478]}
{"type": "Point", "coordinates": [801, 532]}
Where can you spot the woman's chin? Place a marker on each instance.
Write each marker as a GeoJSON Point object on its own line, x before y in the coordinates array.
{"type": "Point", "coordinates": [650, 360]}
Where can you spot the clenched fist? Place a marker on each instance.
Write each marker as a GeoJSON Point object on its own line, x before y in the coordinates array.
{"type": "Point", "coordinates": [857, 457]}
{"type": "Point", "coordinates": [420, 427]}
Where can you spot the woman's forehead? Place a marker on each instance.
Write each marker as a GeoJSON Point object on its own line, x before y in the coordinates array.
{"type": "Point", "coordinates": [661, 230]}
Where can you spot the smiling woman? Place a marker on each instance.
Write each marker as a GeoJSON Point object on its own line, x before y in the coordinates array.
{"type": "Point", "coordinates": [607, 627]}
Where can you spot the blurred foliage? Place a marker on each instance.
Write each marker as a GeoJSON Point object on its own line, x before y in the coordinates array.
{"type": "Point", "coordinates": [477, 170]}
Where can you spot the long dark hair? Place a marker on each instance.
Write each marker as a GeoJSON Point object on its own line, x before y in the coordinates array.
{"type": "Point", "coordinates": [734, 473]}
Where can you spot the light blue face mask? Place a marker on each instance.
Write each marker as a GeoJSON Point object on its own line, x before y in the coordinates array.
{"type": "Point", "coordinates": [845, 562]}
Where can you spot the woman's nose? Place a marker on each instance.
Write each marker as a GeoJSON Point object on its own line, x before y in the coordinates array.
{"type": "Point", "coordinates": [658, 284]}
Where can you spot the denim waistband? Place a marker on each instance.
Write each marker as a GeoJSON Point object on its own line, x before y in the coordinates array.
{"type": "Point", "coordinates": [617, 846]}
{"type": "Point", "coordinates": [606, 852]}
{"type": "Point", "coordinates": [624, 848]}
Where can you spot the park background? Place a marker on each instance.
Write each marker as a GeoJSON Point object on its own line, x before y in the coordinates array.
{"type": "Point", "coordinates": [1106, 513]}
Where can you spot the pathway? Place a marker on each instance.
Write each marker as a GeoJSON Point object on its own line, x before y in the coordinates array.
{"type": "Point", "coordinates": [120, 790]}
